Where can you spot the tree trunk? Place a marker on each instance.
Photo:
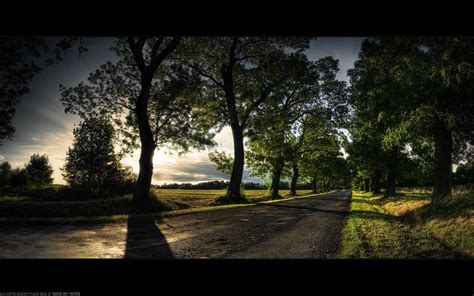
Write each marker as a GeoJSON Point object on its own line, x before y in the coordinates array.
{"type": "Point", "coordinates": [367, 185]}
{"type": "Point", "coordinates": [233, 190]}
{"type": "Point", "coordinates": [276, 176]}
{"type": "Point", "coordinates": [143, 184]}
{"type": "Point", "coordinates": [443, 162]}
{"type": "Point", "coordinates": [313, 183]}
{"type": "Point", "coordinates": [294, 179]}
{"type": "Point", "coordinates": [390, 187]}
{"type": "Point", "coordinates": [376, 181]}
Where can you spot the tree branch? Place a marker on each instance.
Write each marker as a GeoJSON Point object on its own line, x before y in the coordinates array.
{"type": "Point", "coordinates": [137, 51]}
{"type": "Point", "coordinates": [158, 59]}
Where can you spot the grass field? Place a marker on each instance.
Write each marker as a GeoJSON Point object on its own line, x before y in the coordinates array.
{"type": "Point", "coordinates": [52, 202]}
{"type": "Point", "coordinates": [192, 198]}
{"type": "Point", "coordinates": [410, 226]}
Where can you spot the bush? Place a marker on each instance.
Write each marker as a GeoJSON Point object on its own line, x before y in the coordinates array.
{"type": "Point", "coordinates": [38, 170]}
{"type": "Point", "coordinates": [18, 177]}
{"type": "Point", "coordinates": [121, 183]}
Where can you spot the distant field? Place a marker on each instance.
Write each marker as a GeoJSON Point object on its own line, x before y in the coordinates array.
{"type": "Point", "coordinates": [184, 198]}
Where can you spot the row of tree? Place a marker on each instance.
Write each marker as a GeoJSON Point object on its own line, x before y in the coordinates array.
{"type": "Point", "coordinates": [37, 172]}
{"type": "Point", "coordinates": [410, 107]}
{"type": "Point", "coordinates": [178, 92]}
{"type": "Point", "coordinates": [412, 100]}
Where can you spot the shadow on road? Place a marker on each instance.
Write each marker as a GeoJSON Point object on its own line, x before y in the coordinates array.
{"type": "Point", "coordinates": [342, 213]}
{"type": "Point", "coordinates": [145, 240]}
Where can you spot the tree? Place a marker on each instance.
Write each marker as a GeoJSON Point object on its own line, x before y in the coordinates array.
{"type": "Point", "coordinates": [308, 89]}
{"type": "Point", "coordinates": [237, 73]}
{"type": "Point", "coordinates": [376, 91]}
{"type": "Point", "coordinates": [17, 69]}
{"type": "Point", "coordinates": [426, 87]}
{"type": "Point", "coordinates": [222, 162]}
{"type": "Point", "coordinates": [39, 171]}
{"type": "Point", "coordinates": [91, 162]}
{"type": "Point", "coordinates": [18, 177]}
{"type": "Point", "coordinates": [152, 100]}
{"type": "Point", "coordinates": [5, 173]}
{"type": "Point", "coordinates": [320, 154]}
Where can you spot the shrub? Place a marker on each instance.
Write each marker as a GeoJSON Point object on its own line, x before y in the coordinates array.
{"type": "Point", "coordinates": [18, 177]}
{"type": "Point", "coordinates": [38, 170]}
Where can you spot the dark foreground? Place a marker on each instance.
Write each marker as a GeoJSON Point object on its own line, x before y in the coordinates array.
{"type": "Point", "coordinates": [302, 228]}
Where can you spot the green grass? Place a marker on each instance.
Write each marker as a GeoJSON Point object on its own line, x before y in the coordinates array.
{"type": "Point", "coordinates": [409, 226]}
{"type": "Point", "coordinates": [172, 201]}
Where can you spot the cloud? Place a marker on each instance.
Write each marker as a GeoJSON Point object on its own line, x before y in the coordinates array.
{"type": "Point", "coordinates": [35, 139]}
{"type": "Point", "coordinates": [189, 171]}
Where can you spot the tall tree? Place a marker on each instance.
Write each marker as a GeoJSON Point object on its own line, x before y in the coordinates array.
{"type": "Point", "coordinates": [435, 98]}
{"type": "Point", "coordinates": [430, 85]}
{"type": "Point", "coordinates": [152, 99]}
{"type": "Point", "coordinates": [377, 94]}
{"type": "Point", "coordinates": [91, 163]}
{"type": "Point", "coordinates": [307, 89]}
{"type": "Point", "coordinates": [39, 171]}
{"type": "Point", "coordinates": [320, 151]}
{"type": "Point", "coordinates": [238, 76]}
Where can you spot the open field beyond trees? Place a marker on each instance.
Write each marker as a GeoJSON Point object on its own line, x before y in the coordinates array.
{"type": "Point", "coordinates": [53, 201]}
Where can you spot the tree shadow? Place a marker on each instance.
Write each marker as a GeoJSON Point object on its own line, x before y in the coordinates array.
{"type": "Point", "coordinates": [342, 213]}
{"type": "Point", "coordinates": [333, 199]}
{"type": "Point", "coordinates": [145, 240]}
{"type": "Point", "coordinates": [373, 215]}
{"type": "Point", "coordinates": [384, 200]}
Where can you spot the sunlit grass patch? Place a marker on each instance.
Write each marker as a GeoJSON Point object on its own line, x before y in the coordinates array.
{"type": "Point", "coordinates": [380, 228]}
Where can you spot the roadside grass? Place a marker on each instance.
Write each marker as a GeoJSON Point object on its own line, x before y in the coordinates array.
{"type": "Point", "coordinates": [409, 226]}
{"type": "Point", "coordinates": [165, 201]}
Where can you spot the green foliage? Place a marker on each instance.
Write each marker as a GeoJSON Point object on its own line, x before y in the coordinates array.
{"type": "Point", "coordinates": [222, 162]}
{"type": "Point", "coordinates": [38, 170]}
{"type": "Point", "coordinates": [240, 73]}
{"type": "Point", "coordinates": [404, 91]}
{"type": "Point", "coordinates": [253, 63]}
{"type": "Point", "coordinates": [278, 132]}
{"type": "Point", "coordinates": [321, 157]}
{"type": "Point", "coordinates": [177, 116]}
{"type": "Point", "coordinates": [91, 163]}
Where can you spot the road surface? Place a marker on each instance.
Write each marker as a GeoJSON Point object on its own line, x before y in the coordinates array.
{"type": "Point", "coordinates": [300, 228]}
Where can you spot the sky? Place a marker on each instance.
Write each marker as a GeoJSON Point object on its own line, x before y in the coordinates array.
{"type": "Point", "coordinates": [43, 127]}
